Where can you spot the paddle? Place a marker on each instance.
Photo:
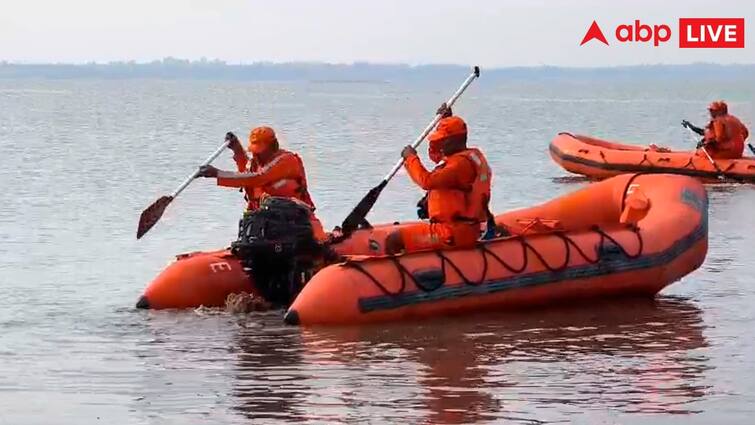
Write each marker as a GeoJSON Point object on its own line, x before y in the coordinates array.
{"type": "Point", "coordinates": [151, 215]}
{"type": "Point", "coordinates": [359, 213]}
{"type": "Point", "coordinates": [719, 172]}
{"type": "Point", "coordinates": [752, 148]}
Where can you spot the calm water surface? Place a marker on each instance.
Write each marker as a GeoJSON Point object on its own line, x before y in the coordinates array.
{"type": "Point", "coordinates": [81, 159]}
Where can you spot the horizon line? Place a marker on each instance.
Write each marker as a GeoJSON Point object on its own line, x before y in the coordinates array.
{"type": "Point", "coordinates": [219, 62]}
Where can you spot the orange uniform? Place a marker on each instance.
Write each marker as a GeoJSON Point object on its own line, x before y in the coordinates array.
{"type": "Point", "coordinates": [458, 194]}
{"type": "Point", "coordinates": [280, 175]}
{"type": "Point", "coordinates": [725, 137]}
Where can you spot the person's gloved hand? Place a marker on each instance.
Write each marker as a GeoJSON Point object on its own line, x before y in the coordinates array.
{"type": "Point", "coordinates": [407, 152]}
{"type": "Point", "coordinates": [233, 142]}
{"type": "Point", "coordinates": [700, 144]}
{"type": "Point", "coordinates": [444, 111]}
{"type": "Point", "coordinates": [207, 171]}
{"type": "Point", "coordinates": [686, 124]}
{"type": "Point", "coordinates": [335, 235]}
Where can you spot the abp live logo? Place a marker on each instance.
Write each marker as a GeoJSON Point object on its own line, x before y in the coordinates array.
{"type": "Point", "coordinates": [711, 33]}
{"type": "Point", "coordinates": [693, 33]}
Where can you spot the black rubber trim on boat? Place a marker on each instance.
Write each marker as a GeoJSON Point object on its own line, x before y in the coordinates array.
{"type": "Point", "coordinates": [143, 302]}
{"type": "Point", "coordinates": [291, 317]}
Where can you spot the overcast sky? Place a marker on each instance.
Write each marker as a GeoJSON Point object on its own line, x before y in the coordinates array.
{"type": "Point", "coordinates": [485, 32]}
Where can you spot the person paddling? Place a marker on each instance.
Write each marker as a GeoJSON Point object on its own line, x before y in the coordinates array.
{"type": "Point", "coordinates": [724, 136]}
{"type": "Point", "coordinates": [271, 171]}
{"type": "Point", "coordinates": [435, 153]}
{"type": "Point", "coordinates": [458, 192]}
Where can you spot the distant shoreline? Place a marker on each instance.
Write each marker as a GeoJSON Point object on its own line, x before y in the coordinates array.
{"type": "Point", "coordinates": [170, 68]}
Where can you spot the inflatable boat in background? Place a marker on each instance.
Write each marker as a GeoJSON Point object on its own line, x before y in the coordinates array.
{"type": "Point", "coordinates": [599, 159]}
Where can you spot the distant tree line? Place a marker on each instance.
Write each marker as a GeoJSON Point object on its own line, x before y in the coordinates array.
{"type": "Point", "coordinates": [203, 69]}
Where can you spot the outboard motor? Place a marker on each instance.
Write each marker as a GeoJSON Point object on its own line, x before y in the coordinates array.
{"type": "Point", "coordinates": [277, 247]}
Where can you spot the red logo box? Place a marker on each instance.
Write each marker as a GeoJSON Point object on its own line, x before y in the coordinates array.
{"type": "Point", "coordinates": [711, 33]}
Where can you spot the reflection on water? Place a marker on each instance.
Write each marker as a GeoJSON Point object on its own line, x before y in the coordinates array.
{"type": "Point", "coordinates": [570, 179]}
{"type": "Point", "coordinates": [716, 187]}
{"type": "Point", "coordinates": [634, 356]}
{"type": "Point", "coordinates": [267, 383]}
{"type": "Point", "coordinates": [711, 185]}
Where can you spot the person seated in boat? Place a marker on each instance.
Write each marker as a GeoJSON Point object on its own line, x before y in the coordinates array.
{"type": "Point", "coordinates": [435, 154]}
{"type": "Point", "coordinates": [458, 192]}
{"type": "Point", "coordinates": [724, 136]}
{"type": "Point", "coordinates": [271, 171]}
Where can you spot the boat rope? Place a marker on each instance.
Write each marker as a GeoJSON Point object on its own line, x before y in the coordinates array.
{"type": "Point", "coordinates": [689, 162]}
{"type": "Point", "coordinates": [645, 159]}
{"type": "Point", "coordinates": [402, 271]}
{"type": "Point", "coordinates": [626, 189]}
{"type": "Point", "coordinates": [486, 253]}
{"type": "Point", "coordinates": [527, 247]}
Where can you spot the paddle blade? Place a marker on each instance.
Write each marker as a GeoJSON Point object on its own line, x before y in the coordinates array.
{"type": "Point", "coordinates": [359, 213]}
{"type": "Point", "coordinates": [151, 215]}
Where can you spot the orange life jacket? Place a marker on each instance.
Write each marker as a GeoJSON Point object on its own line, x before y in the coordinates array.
{"type": "Point", "coordinates": [447, 205]}
{"type": "Point", "coordinates": [728, 134]}
{"type": "Point", "coordinates": [295, 188]}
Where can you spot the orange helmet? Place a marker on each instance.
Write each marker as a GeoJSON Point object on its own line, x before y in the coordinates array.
{"type": "Point", "coordinates": [719, 107]}
{"type": "Point", "coordinates": [260, 139]}
{"type": "Point", "coordinates": [448, 127]}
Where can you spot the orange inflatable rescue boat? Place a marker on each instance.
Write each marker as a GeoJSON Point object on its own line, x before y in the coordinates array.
{"type": "Point", "coordinates": [631, 235]}
{"type": "Point", "coordinates": [207, 278]}
{"type": "Point", "coordinates": [627, 236]}
{"type": "Point", "coordinates": [596, 158]}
